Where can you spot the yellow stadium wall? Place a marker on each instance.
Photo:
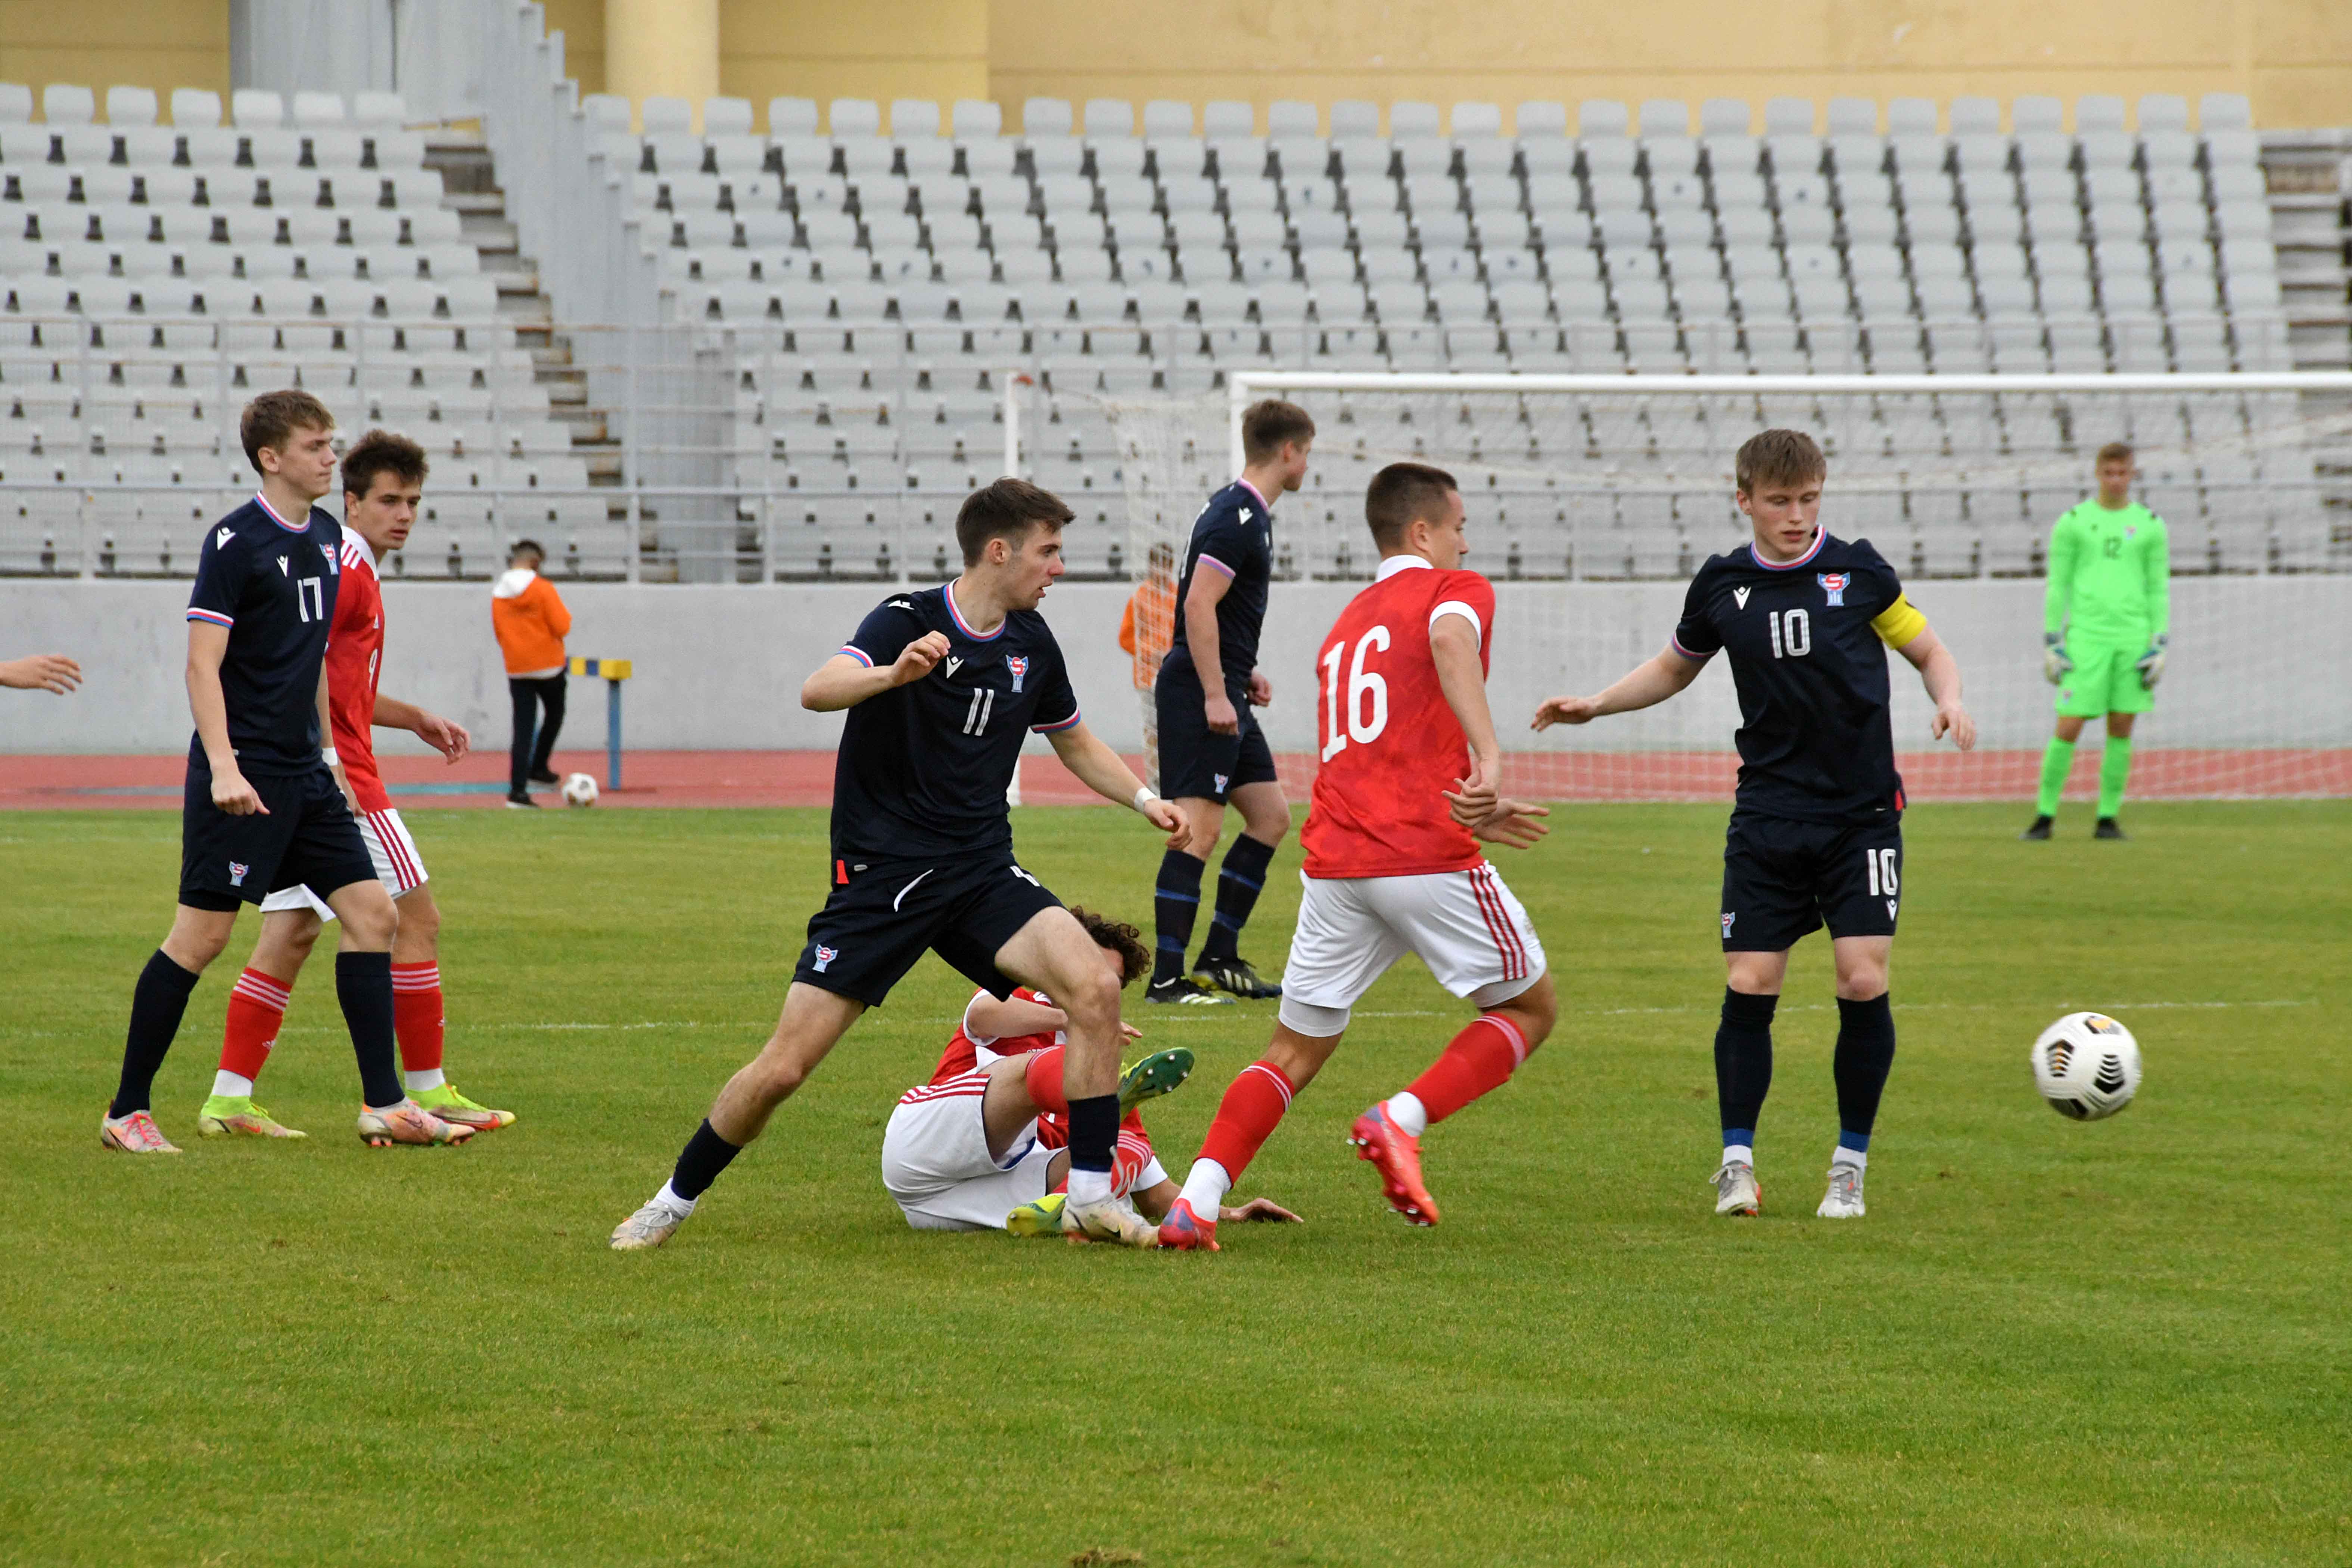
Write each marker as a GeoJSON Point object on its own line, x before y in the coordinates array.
{"type": "Point", "coordinates": [159, 44]}
{"type": "Point", "coordinates": [2292, 58]}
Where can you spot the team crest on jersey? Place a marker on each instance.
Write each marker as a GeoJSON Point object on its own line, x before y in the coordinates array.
{"type": "Point", "coordinates": [1019, 667]}
{"type": "Point", "coordinates": [237, 871]}
{"type": "Point", "coordinates": [1220, 782]}
{"type": "Point", "coordinates": [1834, 583]}
{"type": "Point", "coordinates": [334, 567]}
{"type": "Point", "coordinates": [825, 955]}
{"type": "Point", "coordinates": [1727, 926]}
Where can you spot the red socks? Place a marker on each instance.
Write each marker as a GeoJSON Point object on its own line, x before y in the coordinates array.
{"type": "Point", "coordinates": [257, 1006]}
{"type": "Point", "coordinates": [1246, 1117]}
{"type": "Point", "coordinates": [1043, 1076]}
{"type": "Point", "coordinates": [1480, 1058]}
{"type": "Point", "coordinates": [1131, 1157]}
{"type": "Point", "coordinates": [416, 1014]}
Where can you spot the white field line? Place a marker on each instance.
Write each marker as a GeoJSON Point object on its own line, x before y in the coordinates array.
{"type": "Point", "coordinates": [2117, 1008]}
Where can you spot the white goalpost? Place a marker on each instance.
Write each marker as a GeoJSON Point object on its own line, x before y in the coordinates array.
{"type": "Point", "coordinates": [1592, 499]}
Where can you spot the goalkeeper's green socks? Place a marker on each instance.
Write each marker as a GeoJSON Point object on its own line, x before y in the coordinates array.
{"type": "Point", "coordinates": [2114, 769]}
{"type": "Point", "coordinates": [2057, 758]}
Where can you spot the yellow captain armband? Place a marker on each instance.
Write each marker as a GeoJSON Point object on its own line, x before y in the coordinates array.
{"type": "Point", "coordinates": [1899, 623]}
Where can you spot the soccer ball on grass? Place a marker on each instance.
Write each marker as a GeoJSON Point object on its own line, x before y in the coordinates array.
{"type": "Point", "coordinates": [579, 789]}
{"type": "Point", "coordinates": [2087, 1066]}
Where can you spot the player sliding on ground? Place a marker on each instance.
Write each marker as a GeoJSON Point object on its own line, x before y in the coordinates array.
{"type": "Point", "coordinates": [2107, 620]}
{"type": "Point", "coordinates": [1816, 834]}
{"type": "Point", "coordinates": [1393, 861]}
{"type": "Point", "coordinates": [941, 685]}
{"type": "Point", "coordinates": [1211, 747]}
{"type": "Point", "coordinates": [383, 483]}
{"type": "Point", "coordinates": [982, 1145]}
{"type": "Point", "coordinates": [265, 807]}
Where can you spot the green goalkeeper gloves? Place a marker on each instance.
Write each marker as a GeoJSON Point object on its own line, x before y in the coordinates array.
{"type": "Point", "coordinates": [2150, 664]}
{"type": "Point", "coordinates": [2055, 665]}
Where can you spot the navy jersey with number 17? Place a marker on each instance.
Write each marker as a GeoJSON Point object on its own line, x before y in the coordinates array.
{"type": "Point", "coordinates": [923, 767]}
{"type": "Point", "coordinates": [272, 584]}
{"type": "Point", "coordinates": [1807, 640]}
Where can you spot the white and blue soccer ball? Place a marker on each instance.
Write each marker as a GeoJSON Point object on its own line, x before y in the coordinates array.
{"type": "Point", "coordinates": [2087, 1066]}
{"type": "Point", "coordinates": [579, 789]}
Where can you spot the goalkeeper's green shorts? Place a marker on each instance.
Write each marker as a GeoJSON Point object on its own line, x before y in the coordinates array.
{"type": "Point", "coordinates": [2104, 680]}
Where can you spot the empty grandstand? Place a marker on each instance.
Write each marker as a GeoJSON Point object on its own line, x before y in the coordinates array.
{"type": "Point", "coordinates": [748, 353]}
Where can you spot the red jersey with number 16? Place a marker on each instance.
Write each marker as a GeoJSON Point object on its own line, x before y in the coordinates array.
{"type": "Point", "coordinates": [354, 661]}
{"type": "Point", "coordinates": [1389, 745]}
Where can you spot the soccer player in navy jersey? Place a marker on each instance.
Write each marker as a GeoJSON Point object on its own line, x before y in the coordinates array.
{"type": "Point", "coordinates": [1816, 835]}
{"type": "Point", "coordinates": [941, 685]}
{"type": "Point", "coordinates": [266, 807]}
{"type": "Point", "coordinates": [1211, 748]}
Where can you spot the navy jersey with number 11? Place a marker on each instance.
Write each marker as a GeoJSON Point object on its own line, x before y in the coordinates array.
{"type": "Point", "coordinates": [923, 767]}
{"type": "Point", "coordinates": [1807, 640]}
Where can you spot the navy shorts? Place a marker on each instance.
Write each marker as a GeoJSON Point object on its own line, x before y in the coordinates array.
{"type": "Point", "coordinates": [883, 914]}
{"type": "Point", "coordinates": [309, 837]}
{"type": "Point", "coordinates": [1784, 880]}
{"type": "Point", "coordinates": [1195, 761]}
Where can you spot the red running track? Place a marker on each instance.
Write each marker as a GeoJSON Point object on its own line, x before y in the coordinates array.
{"type": "Point", "coordinates": [805, 778]}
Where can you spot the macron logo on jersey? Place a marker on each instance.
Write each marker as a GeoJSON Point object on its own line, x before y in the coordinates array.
{"type": "Point", "coordinates": [283, 570]}
{"type": "Point", "coordinates": [902, 604]}
{"type": "Point", "coordinates": [1739, 597]}
{"type": "Point", "coordinates": [954, 663]}
{"type": "Point", "coordinates": [220, 540]}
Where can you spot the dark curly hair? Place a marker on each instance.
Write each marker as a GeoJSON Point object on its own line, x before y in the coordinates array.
{"type": "Point", "coordinates": [1134, 958]}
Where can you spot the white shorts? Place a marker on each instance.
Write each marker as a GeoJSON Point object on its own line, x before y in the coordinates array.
{"type": "Point", "coordinates": [397, 865]}
{"type": "Point", "coordinates": [1466, 926]}
{"type": "Point", "coordinates": [936, 1164]}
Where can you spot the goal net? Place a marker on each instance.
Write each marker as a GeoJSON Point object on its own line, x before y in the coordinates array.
{"type": "Point", "coordinates": [1593, 499]}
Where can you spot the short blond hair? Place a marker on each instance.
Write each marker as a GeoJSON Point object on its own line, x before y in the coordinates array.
{"type": "Point", "coordinates": [1779, 457]}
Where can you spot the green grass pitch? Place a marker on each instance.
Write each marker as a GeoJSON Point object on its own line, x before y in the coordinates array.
{"type": "Point", "coordinates": [2125, 1342]}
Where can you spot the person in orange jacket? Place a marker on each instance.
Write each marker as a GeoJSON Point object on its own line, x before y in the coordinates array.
{"type": "Point", "coordinates": [1143, 632]}
{"type": "Point", "coordinates": [531, 622]}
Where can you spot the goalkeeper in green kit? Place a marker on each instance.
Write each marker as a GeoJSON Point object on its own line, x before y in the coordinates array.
{"type": "Point", "coordinates": [2108, 618]}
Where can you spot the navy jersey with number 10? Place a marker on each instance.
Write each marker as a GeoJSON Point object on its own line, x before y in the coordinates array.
{"type": "Point", "coordinates": [923, 768]}
{"type": "Point", "coordinates": [1807, 640]}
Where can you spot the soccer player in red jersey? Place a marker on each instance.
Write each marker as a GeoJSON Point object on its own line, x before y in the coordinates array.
{"type": "Point", "coordinates": [1392, 859]}
{"type": "Point", "coordinates": [383, 481]}
{"type": "Point", "coordinates": [983, 1145]}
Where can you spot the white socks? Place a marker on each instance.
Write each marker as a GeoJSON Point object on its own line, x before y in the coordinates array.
{"type": "Point", "coordinates": [418, 1082]}
{"type": "Point", "coordinates": [1090, 1186]}
{"type": "Point", "coordinates": [667, 1197]}
{"type": "Point", "coordinates": [1858, 1158]}
{"type": "Point", "coordinates": [230, 1086]}
{"type": "Point", "coordinates": [1739, 1154]}
{"type": "Point", "coordinates": [1206, 1187]}
{"type": "Point", "coordinates": [1410, 1115]}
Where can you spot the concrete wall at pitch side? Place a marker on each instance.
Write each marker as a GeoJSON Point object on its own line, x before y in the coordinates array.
{"type": "Point", "coordinates": [2257, 661]}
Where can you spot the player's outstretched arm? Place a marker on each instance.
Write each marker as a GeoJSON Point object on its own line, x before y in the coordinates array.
{"type": "Point", "coordinates": [1939, 672]}
{"type": "Point", "coordinates": [446, 736]}
{"type": "Point", "coordinates": [845, 681]}
{"type": "Point", "coordinates": [41, 672]}
{"type": "Point", "coordinates": [1646, 684]}
{"type": "Point", "coordinates": [207, 646]}
{"type": "Point", "coordinates": [1100, 769]}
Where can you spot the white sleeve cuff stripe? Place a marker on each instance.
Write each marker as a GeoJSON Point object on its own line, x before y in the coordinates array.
{"type": "Point", "coordinates": [1207, 559]}
{"type": "Point", "coordinates": [215, 616]}
{"type": "Point", "coordinates": [860, 655]}
{"type": "Point", "coordinates": [1456, 607]}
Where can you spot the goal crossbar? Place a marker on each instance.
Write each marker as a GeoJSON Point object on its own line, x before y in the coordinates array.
{"type": "Point", "coordinates": [1243, 387]}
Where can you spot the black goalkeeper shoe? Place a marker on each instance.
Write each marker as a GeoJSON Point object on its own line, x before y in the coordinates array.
{"type": "Point", "coordinates": [1180, 991]}
{"type": "Point", "coordinates": [1236, 975]}
{"type": "Point", "coordinates": [2108, 828]}
{"type": "Point", "coordinates": [2040, 831]}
